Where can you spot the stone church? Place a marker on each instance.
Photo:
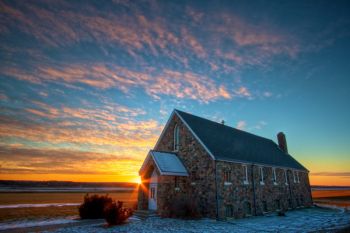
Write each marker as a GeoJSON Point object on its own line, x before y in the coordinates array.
{"type": "Point", "coordinates": [230, 173]}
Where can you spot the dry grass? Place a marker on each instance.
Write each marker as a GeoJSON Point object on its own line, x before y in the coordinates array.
{"type": "Point", "coordinates": [129, 198]}
{"type": "Point", "coordinates": [41, 198]}
{"type": "Point", "coordinates": [330, 193]}
{"type": "Point", "coordinates": [332, 197]}
{"type": "Point", "coordinates": [35, 213]}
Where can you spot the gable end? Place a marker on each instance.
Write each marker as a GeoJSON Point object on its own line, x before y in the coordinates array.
{"type": "Point", "coordinates": [188, 127]}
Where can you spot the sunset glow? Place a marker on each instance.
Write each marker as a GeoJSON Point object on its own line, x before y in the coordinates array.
{"type": "Point", "coordinates": [86, 91]}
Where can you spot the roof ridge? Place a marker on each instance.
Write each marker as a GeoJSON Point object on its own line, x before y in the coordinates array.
{"type": "Point", "coordinates": [223, 125]}
{"type": "Point", "coordinates": [236, 144]}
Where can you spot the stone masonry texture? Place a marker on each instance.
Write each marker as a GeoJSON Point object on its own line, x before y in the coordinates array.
{"type": "Point", "coordinates": [235, 198]}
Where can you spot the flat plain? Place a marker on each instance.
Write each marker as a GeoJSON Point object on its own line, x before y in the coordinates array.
{"type": "Point", "coordinates": [30, 206]}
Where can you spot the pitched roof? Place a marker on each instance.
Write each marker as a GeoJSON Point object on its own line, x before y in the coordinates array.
{"type": "Point", "coordinates": [230, 144]}
{"type": "Point", "coordinates": [166, 162]}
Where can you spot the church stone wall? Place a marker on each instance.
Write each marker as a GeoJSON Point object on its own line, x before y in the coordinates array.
{"type": "Point", "coordinates": [244, 199]}
{"type": "Point", "coordinates": [200, 185]}
{"type": "Point", "coordinates": [262, 198]}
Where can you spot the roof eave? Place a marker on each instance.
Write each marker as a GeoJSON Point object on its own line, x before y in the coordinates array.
{"type": "Point", "coordinates": [145, 163]}
{"type": "Point", "coordinates": [259, 164]}
{"type": "Point", "coordinates": [195, 135]}
{"type": "Point", "coordinates": [165, 127]}
{"type": "Point", "coordinates": [173, 174]}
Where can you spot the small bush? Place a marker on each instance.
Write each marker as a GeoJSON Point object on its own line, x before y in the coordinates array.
{"type": "Point", "coordinates": [184, 207]}
{"type": "Point", "coordinates": [281, 213]}
{"type": "Point", "coordinates": [116, 214]}
{"type": "Point", "coordinates": [93, 206]}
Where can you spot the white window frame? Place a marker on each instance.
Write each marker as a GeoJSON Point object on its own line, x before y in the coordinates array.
{"type": "Point", "coordinates": [286, 176]}
{"type": "Point", "coordinates": [227, 174]}
{"type": "Point", "coordinates": [176, 138]}
{"type": "Point", "coordinates": [153, 192]}
{"type": "Point", "coordinates": [245, 174]}
{"type": "Point", "coordinates": [274, 176]}
{"type": "Point", "coordinates": [261, 169]}
{"type": "Point", "coordinates": [176, 182]}
{"type": "Point", "coordinates": [298, 179]}
{"type": "Point", "coordinates": [294, 177]}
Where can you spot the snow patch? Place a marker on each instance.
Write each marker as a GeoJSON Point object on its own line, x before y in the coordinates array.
{"type": "Point", "coordinates": [301, 220]}
{"type": "Point", "coordinates": [35, 223]}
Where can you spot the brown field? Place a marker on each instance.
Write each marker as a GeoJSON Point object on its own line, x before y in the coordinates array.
{"type": "Point", "coordinates": [339, 198]}
{"type": "Point", "coordinates": [37, 213]}
{"type": "Point", "coordinates": [329, 197]}
{"type": "Point", "coordinates": [330, 193]}
{"type": "Point", "coordinates": [41, 198]}
{"type": "Point", "coordinates": [129, 198]}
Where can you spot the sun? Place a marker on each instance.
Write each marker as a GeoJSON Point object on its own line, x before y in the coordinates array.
{"type": "Point", "coordinates": [138, 180]}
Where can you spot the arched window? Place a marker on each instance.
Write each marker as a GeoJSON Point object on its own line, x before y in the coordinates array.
{"type": "Point", "coordinates": [301, 200]}
{"type": "Point", "coordinates": [274, 176]}
{"type": "Point", "coordinates": [245, 174]}
{"type": "Point", "coordinates": [278, 204]}
{"type": "Point", "coordinates": [264, 204]}
{"type": "Point", "coordinates": [176, 138]}
{"type": "Point", "coordinates": [229, 211]}
{"type": "Point", "coordinates": [247, 208]}
{"type": "Point", "coordinates": [261, 175]}
{"type": "Point", "coordinates": [286, 177]}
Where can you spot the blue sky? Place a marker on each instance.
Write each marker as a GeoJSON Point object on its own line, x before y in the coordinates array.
{"type": "Point", "coordinates": [93, 82]}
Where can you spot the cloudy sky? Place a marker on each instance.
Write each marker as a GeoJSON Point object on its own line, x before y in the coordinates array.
{"type": "Point", "coordinates": [86, 87]}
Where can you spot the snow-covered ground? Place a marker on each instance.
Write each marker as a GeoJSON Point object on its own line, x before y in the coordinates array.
{"type": "Point", "coordinates": [303, 220]}
{"type": "Point", "coordinates": [22, 224]}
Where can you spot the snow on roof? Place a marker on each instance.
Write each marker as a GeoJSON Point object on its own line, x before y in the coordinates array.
{"type": "Point", "coordinates": [167, 163]}
{"type": "Point", "coordinates": [229, 144]}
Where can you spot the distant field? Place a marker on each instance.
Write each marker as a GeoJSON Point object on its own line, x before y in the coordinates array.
{"type": "Point", "coordinates": [18, 199]}
{"type": "Point", "coordinates": [330, 193]}
{"type": "Point", "coordinates": [41, 198]}
{"type": "Point", "coordinates": [339, 198]}
{"type": "Point", "coordinates": [37, 213]}
{"type": "Point", "coordinates": [11, 204]}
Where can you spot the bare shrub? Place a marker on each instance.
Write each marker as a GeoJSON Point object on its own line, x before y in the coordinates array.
{"type": "Point", "coordinates": [93, 206]}
{"type": "Point", "coordinates": [116, 214]}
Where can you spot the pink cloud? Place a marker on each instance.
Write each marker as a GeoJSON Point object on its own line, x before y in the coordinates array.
{"type": "Point", "coordinates": [241, 125]}
{"type": "Point", "coordinates": [110, 132]}
{"type": "Point", "coordinates": [3, 96]}
{"type": "Point", "coordinates": [267, 94]}
{"type": "Point", "coordinates": [183, 85]}
{"type": "Point", "coordinates": [187, 85]}
{"type": "Point", "coordinates": [193, 43]}
{"type": "Point", "coordinates": [243, 91]}
{"type": "Point", "coordinates": [138, 32]}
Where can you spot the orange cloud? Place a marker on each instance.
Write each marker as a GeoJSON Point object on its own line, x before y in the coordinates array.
{"type": "Point", "coordinates": [112, 125]}
{"type": "Point", "coordinates": [34, 163]}
{"type": "Point", "coordinates": [187, 85]}
{"type": "Point", "coordinates": [106, 143]}
{"type": "Point", "coordinates": [184, 85]}
{"type": "Point", "coordinates": [327, 179]}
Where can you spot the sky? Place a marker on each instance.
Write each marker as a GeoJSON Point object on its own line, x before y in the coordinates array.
{"type": "Point", "coordinates": [87, 86]}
